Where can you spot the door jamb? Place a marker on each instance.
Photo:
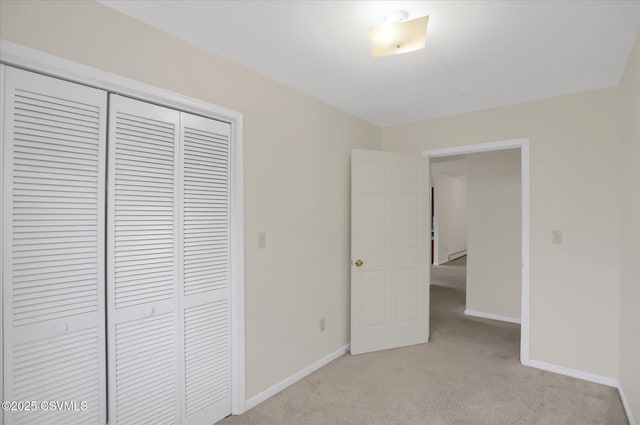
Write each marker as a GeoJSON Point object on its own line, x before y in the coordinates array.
{"type": "Point", "coordinates": [36, 61]}
{"type": "Point", "coordinates": [436, 226]}
{"type": "Point", "coordinates": [525, 164]}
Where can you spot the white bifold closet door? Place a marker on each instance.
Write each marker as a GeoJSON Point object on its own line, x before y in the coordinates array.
{"type": "Point", "coordinates": [168, 278]}
{"type": "Point", "coordinates": [53, 153]}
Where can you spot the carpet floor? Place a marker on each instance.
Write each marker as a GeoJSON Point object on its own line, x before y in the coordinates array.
{"type": "Point", "coordinates": [468, 374]}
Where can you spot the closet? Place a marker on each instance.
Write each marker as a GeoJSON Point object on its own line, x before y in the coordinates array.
{"type": "Point", "coordinates": [116, 257]}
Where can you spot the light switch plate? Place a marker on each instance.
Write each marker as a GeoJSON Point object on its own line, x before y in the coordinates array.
{"type": "Point", "coordinates": [262, 240]}
{"type": "Point", "coordinates": [556, 236]}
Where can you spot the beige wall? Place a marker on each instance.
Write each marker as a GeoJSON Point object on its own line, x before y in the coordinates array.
{"type": "Point", "coordinates": [630, 235]}
{"type": "Point", "coordinates": [296, 165]}
{"type": "Point", "coordinates": [575, 289]}
{"type": "Point", "coordinates": [494, 229]}
{"type": "Point", "coordinates": [450, 194]}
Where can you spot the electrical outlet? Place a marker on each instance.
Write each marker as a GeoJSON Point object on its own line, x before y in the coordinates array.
{"type": "Point", "coordinates": [556, 236]}
{"type": "Point", "coordinates": [323, 324]}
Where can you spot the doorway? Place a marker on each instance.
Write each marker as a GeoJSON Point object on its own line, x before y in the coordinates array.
{"type": "Point", "coordinates": [449, 208]}
{"type": "Point", "coordinates": [457, 270]}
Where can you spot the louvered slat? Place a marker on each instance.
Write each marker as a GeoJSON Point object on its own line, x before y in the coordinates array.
{"type": "Point", "coordinates": [32, 160]}
{"type": "Point", "coordinates": [63, 368]}
{"type": "Point", "coordinates": [139, 207]}
{"type": "Point", "coordinates": [205, 203]}
{"type": "Point", "coordinates": [207, 351]}
{"type": "Point", "coordinates": [145, 373]}
{"type": "Point", "coordinates": [53, 235]}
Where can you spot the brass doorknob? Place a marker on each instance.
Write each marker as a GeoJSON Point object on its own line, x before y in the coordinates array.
{"type": "Point", "coordinates": [359, 263]}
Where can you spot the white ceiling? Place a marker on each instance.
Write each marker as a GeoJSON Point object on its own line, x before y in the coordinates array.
{"type": "Point", "coordinates": [479, 54]}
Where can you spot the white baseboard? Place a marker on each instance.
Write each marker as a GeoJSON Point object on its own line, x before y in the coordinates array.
{"type": "Point", "coordinates": [574, 373]}
{"type": "Point", "coordinates": [610, 382]}
{"type": "Point", "coordinates": [491, 316]}
{"type": "Point", "coordinates": [456, 255]}
{"type": "Point", "coordinates": [625, 404]}
{"type": "Point", "coordinates": [276, 388]}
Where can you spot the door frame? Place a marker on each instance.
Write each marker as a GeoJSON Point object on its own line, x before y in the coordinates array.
{"type": "Point", "coordinates": [525, 170]}
{"type": "Point", "coordinates": [29, 59]}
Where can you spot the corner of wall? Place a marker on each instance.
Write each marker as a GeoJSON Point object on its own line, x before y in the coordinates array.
{"type": "Point", "coordinates": [628, 104]}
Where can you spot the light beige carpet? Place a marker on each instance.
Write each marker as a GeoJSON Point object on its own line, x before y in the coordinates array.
{"type": "Point", "coordinates": [469, 373]}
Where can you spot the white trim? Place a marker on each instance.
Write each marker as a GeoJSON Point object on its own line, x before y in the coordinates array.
{"type": "Point", "coordinates": [625, 404]}
{"type": "Point", "coordinates": [523, 145]}
{"type": "Point", "coordinates": [274, 389]}
{"type": "Point", "coordinates": [457, 255]}
{"type": "Point", "coordinates": [610, 382]}
{"type": "Point", "coordinates": [491, 316]}
{"type": "Point", "coordinates": [44, 63]}
{"type": "Point", "coordinates": [64, 69]}
{"type": "Point", "coordinates": [237, 271]}
{"type": "Point", "coordinates": [2, 73]}
{"type": "Point", "coordinates": [525, 305]}
{"type": "Point", "coordinates": [598, 379]}
{"type": "Point", "coordinates": [481, 147]}
{"type": "Point", "coordinates": [436, 230]}
{"type": "Point", "coordinates": [436, 235]}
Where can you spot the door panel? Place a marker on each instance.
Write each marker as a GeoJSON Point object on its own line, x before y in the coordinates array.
{"type": "Point", "coordinates": [374, 220]}
{"type": "Point", "coordinates": [206, 354]}
{"type": "Point", "coordinates": [409, 295]}
{"type": "Point", "coordinates": [206, 296]}
{"type": "Point", "coordinates": [390, 234]}
{"type": "Point", "coordinates": [408, 232]}
{"type": "Point", "coordinates": [53, 241]}
{"type": "Point", "coordinates": [145, 370]}
{"type": "Point", "coordinates": [143, 263]}
{"type": "Point", "coordinates": [374, 295]}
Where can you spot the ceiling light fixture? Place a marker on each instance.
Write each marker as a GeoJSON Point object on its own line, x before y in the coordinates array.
{"type": "Point", "coordinates": [398, 34]}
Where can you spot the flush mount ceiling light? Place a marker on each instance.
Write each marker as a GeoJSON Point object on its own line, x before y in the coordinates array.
{"type": "Point", "coordinates": [398, 35]}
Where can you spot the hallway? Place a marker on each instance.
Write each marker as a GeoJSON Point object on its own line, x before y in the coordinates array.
{"type": "Point", "coordinates": [499, 340]}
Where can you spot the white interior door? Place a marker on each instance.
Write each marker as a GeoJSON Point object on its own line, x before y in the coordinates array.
{"type": "Point", "coordinates": [390, 250]}
{"type": "Point", "coordinates": [53, 154]}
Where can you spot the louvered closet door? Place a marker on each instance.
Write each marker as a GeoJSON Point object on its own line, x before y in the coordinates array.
{"type": "Point", "coordinates": [53, 154]}
{"type": "Point", "coordinates": [143, 264]}
{"type": "Point", "coordinates": [205, 269]}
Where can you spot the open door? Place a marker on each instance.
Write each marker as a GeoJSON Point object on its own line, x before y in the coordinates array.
{"type": "Point", "coordinates": [390, 244]}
